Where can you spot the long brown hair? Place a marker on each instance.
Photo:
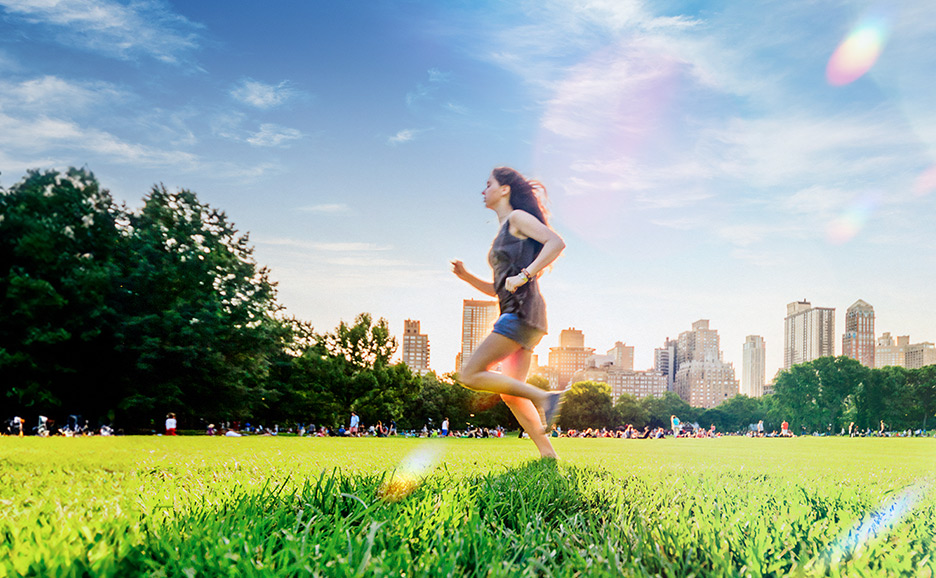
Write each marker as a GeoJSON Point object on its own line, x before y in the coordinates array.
{"type": "Point", "coordinates": [525, 194]}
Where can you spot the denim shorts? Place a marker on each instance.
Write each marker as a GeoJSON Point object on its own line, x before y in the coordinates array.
{"type": "Point", "coordinates": [510, 326]}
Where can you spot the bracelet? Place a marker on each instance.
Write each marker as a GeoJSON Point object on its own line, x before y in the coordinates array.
{"type": "Point", "coordinates": [526, 274]}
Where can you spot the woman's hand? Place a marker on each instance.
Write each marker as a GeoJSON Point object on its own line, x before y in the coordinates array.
{"type": "Point", "coordinates": [511, 284]}
{"type": "Point", "coordinates": [459, 269]}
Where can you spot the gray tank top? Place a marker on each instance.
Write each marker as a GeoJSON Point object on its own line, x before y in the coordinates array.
{"type": "Point", "coordinates": [508, 255]}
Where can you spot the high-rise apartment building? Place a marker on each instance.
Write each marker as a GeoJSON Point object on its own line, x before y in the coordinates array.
{"type": "Point", "coordinates": [569, 357]}
{"type": "Point", "coordinates": [900, 351]}
{"type": "Point", "coordinates": [920, 355]}
{"type": "Point", "coordinates": [664, 361]}
{"type": "Point", "coordinates": [415, 347]}
{"type": "Point", "coordinates": [753, 366]}
{"type": "Point", "coordinates": [478, 319]}
{"type": "Point", "coordinates": [808, 333]}
{"type": "Point", "coordinates": [703, 379]}
{"type": "Point", "coordinates": [640, 384]}
{"type": "Point", "coordinates": [858, 340]}
{"type": "Point", "coordinates": [622, 355]}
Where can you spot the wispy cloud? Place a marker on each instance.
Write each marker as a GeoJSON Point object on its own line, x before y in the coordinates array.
{"type": "Point", "coordinates": [261, 95]}
{"type": "Point", "coordinates": [330, 209]}
{"type": "Point", "coordinates": [125, 31]}
{"type": "Point", "coordinates": [54, 95]}
{"type": "Point", "coordinates": [271, 135]}
{"type": "Point", "coordinates": [44, 134]}
{"type": "Point", "coordinates": [403, 136]}
{"type": "Point", "coordinates": [328, 247]}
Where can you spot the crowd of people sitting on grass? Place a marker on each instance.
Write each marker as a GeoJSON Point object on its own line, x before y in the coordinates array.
{"type": "Point", "coordinates": [76, 426]}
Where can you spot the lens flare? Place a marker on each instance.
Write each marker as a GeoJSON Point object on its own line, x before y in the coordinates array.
{"type": "Point", "coordinates": [878, 524]}
{"type": "Point", "coordinates": [858, 52]}
{"type": "Point", "coordinates": [926, 182]}
{"type": "Point", "coordinates": [415, 466]}
{"type": "Point", "coordinates": [847, 226]}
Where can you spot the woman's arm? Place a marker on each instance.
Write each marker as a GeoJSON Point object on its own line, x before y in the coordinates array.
{"type": "Point", "coordinates": [486, 287]}
{"type": "Point", "coordinates": [529, 226]}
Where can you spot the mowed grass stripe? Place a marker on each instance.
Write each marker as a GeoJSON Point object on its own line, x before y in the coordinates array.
{"type": "Point", "coordinates": [223, 507]}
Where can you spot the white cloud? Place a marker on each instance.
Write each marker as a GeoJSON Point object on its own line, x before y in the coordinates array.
{"type": "Point", "coordinates": [271, 135]}
{"type": "Point", "coordinates": [263, 96]}
{"type": "Point", "coordinates": [143, 27]}
{"type": "Point", "coordinates": [54, 95]}
{"type": "Point", "coordinates": [403, 136]}
{"type": "Point", "coordinates": [43, 134]}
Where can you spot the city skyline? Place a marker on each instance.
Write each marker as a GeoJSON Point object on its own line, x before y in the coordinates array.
{"type": "Point", "coordinates": [643, 360]}
{"type": "Point", "coordinates": [704, 160]}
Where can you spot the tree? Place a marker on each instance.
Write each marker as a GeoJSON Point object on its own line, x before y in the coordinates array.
{"type": "Point", "coordinates": [58, 284]}
{"type": "Point", "coordinates": [922, 383]}
{"type": "Point", "coordinates": [628, 410]}
{"type": "Point", "coordinates": [200, 327]}
{"type": "Point", "coordinates": [349, 370]}
{"type": "Point", "coordinates": [735, 414]}
{"type": "Point", "coordinates": [587, 404]}
{"type": "Point", "coordinates": [816, 394]}
{"type": "Point", "coordinates": [659, 409]}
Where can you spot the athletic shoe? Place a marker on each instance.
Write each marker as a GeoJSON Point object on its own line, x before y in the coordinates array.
{"type": "Point", "coordinates": [551, 408]}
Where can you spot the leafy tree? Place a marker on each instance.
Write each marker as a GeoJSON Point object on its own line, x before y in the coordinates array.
{"type": "Point", "coordinates": [588, 404]}
{"type": "Point", "coordinates": [628, 410]}
{"type": "Point", "coordinates": [200, 329]}
{"type": "Point", "coordinates": [922, 384]}
{"type": "Point", "coordinates": [349, 370]}
{"type": "Point", "coordinates": [735, 414]}
{"type": "Point", "coordinates": [660, 409]}
{"type": "Point", "coordinates": [58, 280]}
{"type": "Point", "coordinates": [815, 394]}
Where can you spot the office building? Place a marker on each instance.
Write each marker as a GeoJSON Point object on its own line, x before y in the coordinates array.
{"type": "Point", "coordinates": [808, 333]}
{"type": "Point", "coordinates": [858, 340]}
{"type": "Point", "coordinates": [569, 357]}
{"type": "Point", "coordinates": [415, 347]}
{"type": "Point", "coordinates": [478, 319]}
{"type": "Point", "coordinates": [703, 379]}
{"type": "Point", "coordinates": [622, 355]}
{"type": "Point", "coordinates": [901, 352]}
{"type": "Point", "coordinates": [753, 366]}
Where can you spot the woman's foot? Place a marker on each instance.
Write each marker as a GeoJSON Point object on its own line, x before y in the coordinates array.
{"type": "Point", "coordinates": [551, 408]}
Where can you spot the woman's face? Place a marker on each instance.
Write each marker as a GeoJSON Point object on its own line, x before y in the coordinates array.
{"type": "Point", "coordinates": [494, 192]}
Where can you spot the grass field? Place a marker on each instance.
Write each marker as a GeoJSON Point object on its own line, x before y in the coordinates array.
{"type": "Point", "coordinates": [267, 506]}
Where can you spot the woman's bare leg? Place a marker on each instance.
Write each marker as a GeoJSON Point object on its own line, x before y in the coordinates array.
{"type": "Point", "coordinates": [517, 366]}
{"type": "Point", "coordinates": [476, 373]}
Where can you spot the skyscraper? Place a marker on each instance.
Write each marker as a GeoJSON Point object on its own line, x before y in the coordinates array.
{"type": "Point", "coordinates": [664, 361]}
{"type": "Point", "coordinates": [703, 379]}
{"type": "Point", "coordinates": [415, 347]}
{"type": "Point", "coordinates": [569, 357]}
{"type": "Point", "coordinates": [807, 333]}
{"type": "Point", "coordinates": [754, 366]}
{"type": "Point", "coordinates": [478, 319]}
{"type": "Point", "coordinates": [903, 353]}
{"type": "Point", "coordinates": [858, 340]}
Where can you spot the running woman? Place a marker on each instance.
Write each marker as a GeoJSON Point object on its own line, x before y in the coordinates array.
{"type": "Point", "coordinates": [524, 246]}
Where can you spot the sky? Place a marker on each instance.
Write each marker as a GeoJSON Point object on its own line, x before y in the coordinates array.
{"type": "Point", "coordinates": [704, 160]}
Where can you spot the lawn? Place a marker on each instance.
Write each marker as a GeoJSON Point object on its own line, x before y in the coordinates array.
{"type": "Point", "coordinates": [189, 506]}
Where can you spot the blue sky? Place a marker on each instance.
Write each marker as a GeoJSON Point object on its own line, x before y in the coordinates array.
{"type": "Point", "coordinates": [699, 160]}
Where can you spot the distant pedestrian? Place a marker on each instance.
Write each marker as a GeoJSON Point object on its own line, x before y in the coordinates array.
{"type": "Point", "coordinates": [760, 428]}
{"type": "Point", "coordinates": [785, 429]}
{"type": "Point", "coordinates": [674, 422]}
{"type": "Point", "coordinates": [170, 424]}
{"type": "Point", "coordinates": [355, 421]}
{"type": "Point", "coordinates": [445, 427]}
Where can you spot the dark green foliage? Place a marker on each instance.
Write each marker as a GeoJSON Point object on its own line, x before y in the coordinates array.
{"type": "Point", "coordinates": [629, 411]}
{"type": "Point", "coordinates": [59, 245]}
{"type": "Point", "coordinates": [659, 410]}
{"type": "Point", "coordinates": [588, 405]}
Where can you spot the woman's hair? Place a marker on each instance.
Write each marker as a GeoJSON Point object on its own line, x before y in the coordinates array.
{"type": "Point", "coordinates": [525, 195]}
